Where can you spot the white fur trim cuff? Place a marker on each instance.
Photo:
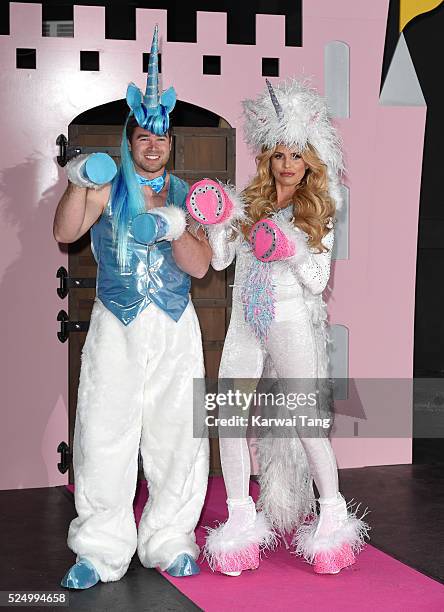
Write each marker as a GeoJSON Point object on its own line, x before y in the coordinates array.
{"type": "Point", "coordinates": [74, 171]}
{"type": "Point", "coordinates": [238, 212]}
{"type": "Point", "coordinates": [176, 219]}
{"type": "Point", "coordinates": [220, 550]}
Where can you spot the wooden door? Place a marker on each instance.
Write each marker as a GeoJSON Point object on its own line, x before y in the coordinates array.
{"type": "Point", "coordinates": [196, 153]}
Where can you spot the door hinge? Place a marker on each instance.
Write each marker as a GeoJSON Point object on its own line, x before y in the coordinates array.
{"type": "Point", "coordinates": [67, 151]}
{"type": "Point", "coordinates": [69, 282]}
{"type": "Point", "coordinates": [65, 457]}
{"type": "Point", "coordinates": [67, 326]}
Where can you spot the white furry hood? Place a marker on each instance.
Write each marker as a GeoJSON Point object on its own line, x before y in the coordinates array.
{"type": "Point", "coordinates": [305, 120]}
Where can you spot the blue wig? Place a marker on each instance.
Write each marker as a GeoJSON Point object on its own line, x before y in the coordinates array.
{"type": "Point", "coordinates": [160, 123]}
{"type": "Point", "coordinates": [127, 199]}
{"type": "Point", "coordinates": [151, 112]}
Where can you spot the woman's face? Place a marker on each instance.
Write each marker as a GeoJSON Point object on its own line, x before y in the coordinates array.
{"type": "Point", "coordinates": [287, 166]}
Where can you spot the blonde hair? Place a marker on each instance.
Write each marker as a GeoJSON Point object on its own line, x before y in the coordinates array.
{"type": "Point", "coordinates": [313, 207]}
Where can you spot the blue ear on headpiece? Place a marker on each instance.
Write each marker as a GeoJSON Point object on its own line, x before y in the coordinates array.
{"type": "Point", "coordinates": [134, 100]}
{"type": "Point", "coordinates": [168, 99]}
{"type": "Point", "coordinates": [133, 96]}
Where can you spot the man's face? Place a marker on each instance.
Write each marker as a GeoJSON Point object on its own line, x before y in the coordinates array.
{"type": "Point", "coordinates": [150, 152]}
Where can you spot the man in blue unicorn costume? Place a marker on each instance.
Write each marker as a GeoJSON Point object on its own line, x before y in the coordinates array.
{"type": "Point", "coordinates": [142, 352]}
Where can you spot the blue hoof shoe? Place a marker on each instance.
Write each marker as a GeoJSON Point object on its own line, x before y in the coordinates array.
{"type": "Point", "coordinates": [183, 565]}
{"type": "Point", "coordinates": [144, 228]}
{"type": "Point", "coordinates": [100, 168]}
{"type": "Point", "coordinates": [82, 575]}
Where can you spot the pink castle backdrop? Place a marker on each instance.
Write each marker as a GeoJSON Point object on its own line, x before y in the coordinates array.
{"type": "Point", "coordinates": [372, 306]}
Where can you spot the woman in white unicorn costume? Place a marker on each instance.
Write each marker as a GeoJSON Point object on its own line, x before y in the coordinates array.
{"type": "Point", "coordinates": [281, 232]}
{"type": "Point", "coordinates": [142, 352]}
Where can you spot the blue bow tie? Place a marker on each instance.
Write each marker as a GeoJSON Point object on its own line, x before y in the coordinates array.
{"type": "Point", "coordinates": [156, 184]}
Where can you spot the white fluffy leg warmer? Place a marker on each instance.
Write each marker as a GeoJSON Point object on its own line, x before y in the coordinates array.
{"type": "Point", "coordinates": [236, 544]}
{"type": "Point", "coordinates": [331, 541]}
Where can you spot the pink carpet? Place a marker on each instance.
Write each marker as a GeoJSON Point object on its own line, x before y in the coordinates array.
{"type": "Point", "coordinates": [285, 582]}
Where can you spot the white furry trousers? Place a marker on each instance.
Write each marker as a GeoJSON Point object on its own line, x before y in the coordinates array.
{"type": "Point", "coordinates": [293, 350]}
{"type": "Point", "coordinates": [136, 392]}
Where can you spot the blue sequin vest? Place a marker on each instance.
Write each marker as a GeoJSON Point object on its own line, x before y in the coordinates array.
{"type": "Point", "coordinates": [151, 275]}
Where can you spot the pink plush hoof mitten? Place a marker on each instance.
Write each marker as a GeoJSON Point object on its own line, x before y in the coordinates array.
{"type": "Point", "coordinates": [208, 203]}
{"type": "Point", "coordinates": [269, 243]}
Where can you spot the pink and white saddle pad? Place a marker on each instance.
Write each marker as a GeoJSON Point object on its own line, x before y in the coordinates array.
{"type": "Point", "coordinates": [208, 203]}
{"type": "Point", "coordinates": [269, 243]}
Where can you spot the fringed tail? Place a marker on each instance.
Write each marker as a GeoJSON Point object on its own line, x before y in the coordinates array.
{"type": "Point", "coordinates": [286, 486]}
{"type": "Point", "coordinates": [226, 552]}
{"type": "Point", "coordinates": [258, 299]}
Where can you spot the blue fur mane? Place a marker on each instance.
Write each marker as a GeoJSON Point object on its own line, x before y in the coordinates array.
{"type": "Point", "coordinates": [158, 124]}
{"type": "Point", "coordinates": [126, 200]}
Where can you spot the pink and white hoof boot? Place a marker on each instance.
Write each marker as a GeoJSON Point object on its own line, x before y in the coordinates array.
{"type": "Point", "coordinates": [269, 243]}
{"type": "Point", "coordinates": [235, 565]}
{"type": "Point", "coordinates": [331, 542]}
{"type": "Point", "coordinates": [332, 564]}
{"type": "Point", "coordinates": [235, 545]}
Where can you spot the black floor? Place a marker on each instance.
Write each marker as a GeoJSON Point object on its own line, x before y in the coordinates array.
{"type": "Point", "coordinates": [407, 511]}
{"type": "Point", "coordinates": [407, 520]}
{"type": "Point", "coordinates": [34, 556]}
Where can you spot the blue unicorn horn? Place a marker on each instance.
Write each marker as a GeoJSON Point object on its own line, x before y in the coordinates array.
{"type": "Point", "coordinates": [151, 97]}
